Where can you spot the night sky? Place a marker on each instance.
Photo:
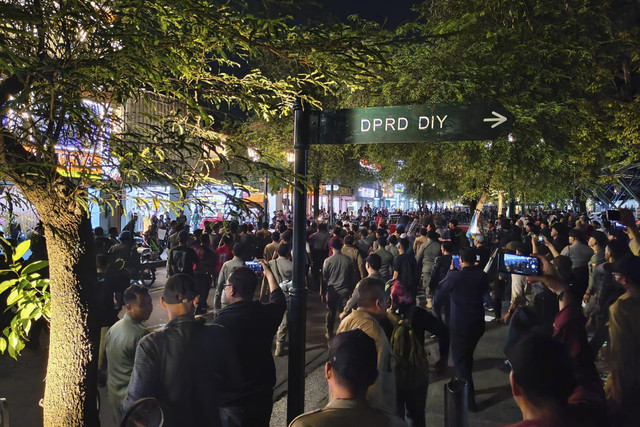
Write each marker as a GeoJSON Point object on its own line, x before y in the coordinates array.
{"type": "Point", "coordinates": [392, 12]}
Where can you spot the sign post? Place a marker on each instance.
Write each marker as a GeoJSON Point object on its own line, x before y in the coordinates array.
{"type": "Point", "coordinates": [298, 293]}
{"type": "Point", "coordinates": [414, 123]}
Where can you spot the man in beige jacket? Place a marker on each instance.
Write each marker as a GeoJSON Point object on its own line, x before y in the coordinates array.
{"type": "Point", "coordinates": [372, 305]}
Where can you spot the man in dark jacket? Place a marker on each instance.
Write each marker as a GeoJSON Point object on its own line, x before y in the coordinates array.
{"type": "Point", "coordinates": [181, 258]}
{"type": "Point", "coordinates": [181, 365]}
{"type": "Point", "coordinates": [465, 288]}
{"type": "Point", "coordinates": [252, 326]}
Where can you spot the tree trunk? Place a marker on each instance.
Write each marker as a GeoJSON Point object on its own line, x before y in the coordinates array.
{"type": "Point", "coordinates": [71, 382]}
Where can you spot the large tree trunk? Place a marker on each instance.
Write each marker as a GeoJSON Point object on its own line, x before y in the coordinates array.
{"type": "Point", "coordinates": [71, 383]}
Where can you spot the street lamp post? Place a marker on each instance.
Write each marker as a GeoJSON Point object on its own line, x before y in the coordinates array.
{"type": "Point", "coordinates": [291, 157]}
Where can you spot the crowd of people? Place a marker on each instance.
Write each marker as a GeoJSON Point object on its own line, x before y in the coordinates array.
{"type": "Point", "coordinates": [386, 290]}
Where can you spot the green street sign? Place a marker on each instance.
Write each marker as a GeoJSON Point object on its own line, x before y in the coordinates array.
{"type": "Point", "coordinates": [411, 123]}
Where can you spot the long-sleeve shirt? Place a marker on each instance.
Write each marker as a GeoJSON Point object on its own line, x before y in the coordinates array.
{"type": "Point", "coordinates": [120, 347]}
{"type": "Point", "coordinates": [466, 288]}
{"type": "Point", "coordinates": [336, 272]}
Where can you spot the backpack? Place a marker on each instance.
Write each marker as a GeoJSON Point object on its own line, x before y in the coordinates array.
{"type": "Point", "coordinates": [412, 364]}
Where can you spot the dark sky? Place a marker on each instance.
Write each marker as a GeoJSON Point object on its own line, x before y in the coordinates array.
{"type": "Point", "coordinates": [393, 12]}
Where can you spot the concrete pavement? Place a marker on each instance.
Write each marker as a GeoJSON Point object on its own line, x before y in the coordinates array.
{"type": "Point", "coordinates": [496, 406]}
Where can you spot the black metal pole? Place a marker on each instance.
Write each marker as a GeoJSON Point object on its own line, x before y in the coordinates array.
{"type": "Point", "coordinates": [298, 294]}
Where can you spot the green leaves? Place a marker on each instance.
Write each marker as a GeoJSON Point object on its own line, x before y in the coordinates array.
{"type": "Point", "coordinates": [21, 250]}
{"type": "Point", "coordinates": [28, 298]}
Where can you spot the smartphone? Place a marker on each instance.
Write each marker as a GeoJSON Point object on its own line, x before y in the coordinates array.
{"type": "Point", "coordinates": [541, 239]}
{"type": "Point", "coordinates": [618, 225]}
{"type": "Point", "coordinates": [456, 262]}
{"type": "Point", "coordinates": [613, 215]}
{"type": "Point", "coordinates": [519, 264]}
{"type": "Point", "coordinates": [254, 265]}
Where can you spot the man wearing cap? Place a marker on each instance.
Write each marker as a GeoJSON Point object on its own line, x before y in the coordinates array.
{"type": "Point", "coordinates": [351, 369]}
{"type": "Point", "coordinates": [253, 326]}
{"type": "Point", "coordinates": [483, 254]}
{"type": "Point", "coordinates": [182, 365]}
{"type": "Point", "coordinates": [126, 250]}
{"type": "Point", "coordinates": [372, 307]}
{"type": "Point", "coordinates": [336, 284]}
{"type": "Point", "coordinates": [541, 381]}
{"type": "Point", "coordinates": [623, 384]}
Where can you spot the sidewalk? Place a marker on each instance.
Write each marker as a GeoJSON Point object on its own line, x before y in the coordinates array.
{"type": "Point", "coordinates": [493, 392]}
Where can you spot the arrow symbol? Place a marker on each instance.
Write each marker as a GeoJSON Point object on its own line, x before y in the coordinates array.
{"type": "Point", "coordinates": [498, 119]}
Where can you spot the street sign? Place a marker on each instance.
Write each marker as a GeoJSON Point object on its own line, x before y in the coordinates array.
{"type": "Point", "coordinates": [412, 123]}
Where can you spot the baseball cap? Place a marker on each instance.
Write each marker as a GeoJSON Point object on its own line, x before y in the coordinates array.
{"type": "Point", "coordinates": [180, 288]}
{"type": "Point", "coordinates": [628, 266]}
{"type": "Point", "coordinates": [600, 237]}
{"type": "Point", "coordinates": [354, 357]}
{"type": "Point", "coordinates": [480, 238]}
{"type": "Point", "coordinates": [542, 367]}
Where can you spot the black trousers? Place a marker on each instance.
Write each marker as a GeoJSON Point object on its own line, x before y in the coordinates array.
{"type": "Point", "coordinates": [203, 285]}
{"type": "Point", "coordinates": [462, 348]}
{"type": "Point", "coordinates": [411, 405]}
{"type": "Point", "coordinates": [256, 412]}
{"type": "Point", "coordinates": [336, 300]}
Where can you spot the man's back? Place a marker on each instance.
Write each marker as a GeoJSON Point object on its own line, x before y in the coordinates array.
{"type": "Point", "coordinates": [387, 263]}
{"type": "Point", "coordinates": [337, 271]}
{"type": "Point", "coordinates": [320, 241]}
{"type": "Point", "coordinates": [120, 344]}
{"type": "Point", "coordinates": [182, 366]}
{"type": "Point", "coordinates": [252, 326]}
{"type": "Point", "coordinates": [348, 413]}
{"type": "Point", "coordinates": [466, 287]}
{"type": "Point", "coordinates": [181, 259]}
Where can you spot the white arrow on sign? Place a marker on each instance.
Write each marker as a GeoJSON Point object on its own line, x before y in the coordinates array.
{"type": "Point", "coordinates": [498, 119]}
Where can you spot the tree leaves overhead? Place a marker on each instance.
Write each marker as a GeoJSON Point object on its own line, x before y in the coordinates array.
{"type": "Point", "coordinates": [553, 65]}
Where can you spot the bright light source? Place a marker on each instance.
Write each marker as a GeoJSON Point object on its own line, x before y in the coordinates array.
{"type": "Point", "coordinates": [291, 156]}
{"type": "Point", "coordinates": [253, 154]}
